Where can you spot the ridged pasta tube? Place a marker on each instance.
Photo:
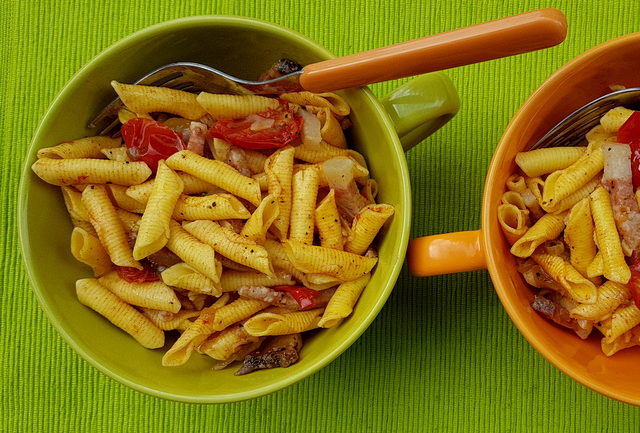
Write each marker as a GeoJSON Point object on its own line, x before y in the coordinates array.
{"type": "Point", "coordinates": [84, 171]}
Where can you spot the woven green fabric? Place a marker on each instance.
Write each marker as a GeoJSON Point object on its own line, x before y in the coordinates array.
{"type": "Point", "coordinates": [441, 356]}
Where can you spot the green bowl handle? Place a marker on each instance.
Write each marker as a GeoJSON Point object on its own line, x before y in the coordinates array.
{"type": "Point", "coordinates": [421, 107]}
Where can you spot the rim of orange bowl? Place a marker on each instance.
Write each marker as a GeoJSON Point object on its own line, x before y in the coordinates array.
{"type": "Point", "coordinates": [392, 276]}
{"type": "Point", "coordinates": [490, 216]}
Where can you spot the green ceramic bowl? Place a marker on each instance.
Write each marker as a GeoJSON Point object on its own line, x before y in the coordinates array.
{"type": "Point", "coordinates": [242, 47]}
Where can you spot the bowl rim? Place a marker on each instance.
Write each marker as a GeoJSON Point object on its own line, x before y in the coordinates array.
{"type": "Point", "coordinates": [500, 279]}
{"type": "Point", "coordinates": [394, 267]}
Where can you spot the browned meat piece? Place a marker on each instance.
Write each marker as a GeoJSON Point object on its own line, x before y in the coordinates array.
{"type": "Point", "coordinates": [559, 315]}
{"type": "Point", "coordinates": [280, 351]}
{"type": "Point", "coordinates": [280, 68]}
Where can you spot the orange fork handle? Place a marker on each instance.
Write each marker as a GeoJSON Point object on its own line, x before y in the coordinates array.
{"type": "Point", "coordinates": [446, 253]}
{"type": "Point", "coordinates": [503, 37]}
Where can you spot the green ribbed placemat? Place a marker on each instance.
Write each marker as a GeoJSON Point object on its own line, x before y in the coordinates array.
{"type": "Point", "coordinates": [441, 356]}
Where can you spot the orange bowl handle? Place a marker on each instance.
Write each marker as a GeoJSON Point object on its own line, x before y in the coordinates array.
{"type": "Point", "coordinates": [446, 253]}
{"type": "Point", "coordinates": [503, 37]}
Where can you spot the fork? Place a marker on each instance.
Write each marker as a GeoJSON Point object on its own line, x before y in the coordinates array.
{"type": "Point", "coordinates": [503, 37]}
{"type": "Point", "coordinates": [571, 130]}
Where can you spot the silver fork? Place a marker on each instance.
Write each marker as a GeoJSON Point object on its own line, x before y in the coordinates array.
{"type": "Point", "coordinates": [572, 129]}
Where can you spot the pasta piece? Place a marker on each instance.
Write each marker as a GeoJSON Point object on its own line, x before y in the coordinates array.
{"type": "Point", "coordinates": [546, 228]}
{"type": "Point", "coordinates": [231, 245]}
{"type": "Point", "coordinates": [83, 171]}
{"type": "Point", "coordinates": [155, 294]}
{"type": "Point", "coordinates": [304, 194]}
{"type": "Point", "coordinates": [185, 277]}
{"type": "Point", "coordinates": [598, 133]}
{"type": "Point", "coordinates": [607, 239]}
{"type": "Point", "coordinates": [366, 225]}
{"type": "Point", "coordinates": [221, 106]}
{"type": "Point", "coordinates": [596, 267]}
{"type": "Point", "coordinates": [197, 331]}
{"type": "Point", "coordinates": [577, 287]}
{"type": "Point", "coordinates": [95, 296]}
{"type": "Point", "coordinates": [120, 154]}
{"type": "Point", "coordinates": [331, 130]}
{"type": "Point", "coordinates": [170, 321]}
{"type": "Point", "coordinates": [88, 249]}
{"type": "Point", "coordinates": [514, 198]}
{"type": "Point", "coordinates": [198, 255]}
{"type": "Point", "coordinates": [89, 147]}
{"type": "Point", "coordinates": [154, 231]}
{"type": "Point", "coordinates": [547, 160]}
{"type": "Point", "coordinates": [614, 118]}
{"type": "Point", "coordinates": [143, 100]}
{"type": "Point", "coordinates": [231, 281]}
{"type": "Point", "coordinates": [241, 159]}
{"type": "Point", "coordinates": [341, 265]}
{"type": "Point", "coordinates": [321, 152]}
{"type": "Point", "coordinates": [192, 185]}
{"type": "Point", "coordinates": [342, 302]}
{"type": "Point", "coordinates": [279, 170]}
{"type": "Point", "coordinates": [560, 184]}
{"type": "Point", "coordinates": [226, 344]}
{"type": "Point", "coordinates": [217, 173]}
{"type": "Point", "coordinates": [627, 339]}
{"type": "Point", "coordinates": [105, 221]}
{"type": "Point", "coordinates": [257, 225]}
{"type": "Point", "coordinates": [578, 235]}
{"type": "Point", "coordinates": [573, 198]}
{"type": "Point", "coordinates": [328, 223]}
{"type": "Point", "coordinates": [610, 296]}
{"type": "Point", "coordinates": [622, 320]}
{"type": "Point", "coordinates": [73, 202]}
{"type": "Point", "coordinates": [265, 324]}
{"type": "Point", "coordinates": [119, 196]}
{"type": "Point", "coordinates": [513, 221]}
{"type": "Point", "coordinates": [332, 101]}
{"type": "Point", "coordinates": [516, 183]}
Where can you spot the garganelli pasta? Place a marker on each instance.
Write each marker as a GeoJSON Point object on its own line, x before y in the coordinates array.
{"type": "Point", "coordinates": [575, 229]}
{"type": "Point", "coordinates": [231, 225]}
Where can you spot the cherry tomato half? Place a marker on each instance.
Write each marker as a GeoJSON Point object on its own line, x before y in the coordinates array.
{"type": "Point", "coordinates": [271, 129]}
{"type": "Point", "coordinates": [306, 298]}
{"type": "Point", "coordinates": [629, 133]}
{"type": "Point", "coordinates": [133, 275]}
{"type": "Point", "coordinates": [150, 141]}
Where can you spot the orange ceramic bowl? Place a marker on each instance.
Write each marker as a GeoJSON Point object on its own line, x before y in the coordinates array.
{"type": "Point", "coordinates": [581, 80]}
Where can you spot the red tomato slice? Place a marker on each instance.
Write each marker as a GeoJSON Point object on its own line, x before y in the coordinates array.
{"type": "Point", "coordinates": [133, 275]}
{"type": "Point", "coordinates": [629, 133]}
{"type": "Point", "coordinates": [306, 298]}
{"type": "Point", "coordinates": [150, 141]}
{"type": "Point", "coordinates": [271, 129]}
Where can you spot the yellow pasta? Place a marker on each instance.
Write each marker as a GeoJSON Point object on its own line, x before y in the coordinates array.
{"type": "Point", "coordinates": [83, 171]}
{"type": "Point", "coordinates": [614, 118]}
{"type": "Point", "coordinates": [221, 106]}
{"type": "Point", "coordinates": [279, 170]}
{"type": "Point", "coordinates": [257, 225]}
{"type": "Point", "coordinates": [573, 198]}
{"type": "Point", "coordinates": [578, 235]}
{"type": "Point", "coordinates": [110, 231]}
{"type": "Point", "coordinates": [217, 173]}
{"type": "Point", "coordinates": [327, 220]}
{"type": "Point", "coordinates": [197, 254]}
{"type": "Point", "coordinates": [154, 231]}
{"type": "Point", "coordinates": [117, 154]}
{"type": "Point", "coordinates": [143, 100]}
{"type": "Point", "coordinates": [170, 321]}
{"type": "Point", "coordinates": [516, 183]}
{"type": "Point", "coordinates": [88, 249]}
{"type": "Point", "coordinates": [341, 265]}
{"type": "Point", "coordinates": [304, 194]}
{"type": "Point", "coordinates": [342, 302]}
{"type": "Point", "coordinates": [227, 343]}
{"type": "Point", "coordinates": [610, 296]}
{"type": "Point", "coordinates": [231, 280]}
{"type": "Point", "coordinates": [121, 199]}
{"type": "Point", "coordinates": [192, 185]}
{"type": "Point", "coordinates": [513, 221]}
{"type": "Point", "coordinates": [321, 152]}
{"type": "Point", "coordinates": [155, 294]}
{"type": "Point", "coordinates": [88, 147]}
{"type": "Point", "coordinates": [621, 320]}
{"type": "Point", "coordinates": [184, 276]}
{"type": "Point", "coordinates": [95, 296]}
{"type": "Point", "coordinates": [547, 160]}
{"type": "Point", "coordinates": [282, 324]}
{"type": "Point", "coordinates": [608, 241]}
{"type": "Point", "coordinates": [332, 101]}
{"type": "Point", "coordinates": [331, 130]}
{"type": "Point", "coordinates": [546, 228]}
{"type": "Point", "coordinates": [366, 225]}
{"type": "Point", "coordinates": [577, 287]}
{"type": "Point", "coordinates": [231, 245]}
{"type": "Point", "coordinates": [560, 184]}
